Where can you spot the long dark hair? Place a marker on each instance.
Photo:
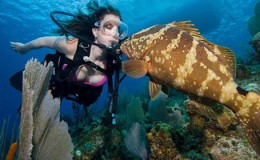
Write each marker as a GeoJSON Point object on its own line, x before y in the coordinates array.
{"type": "Point", "coordinates": [83, 23]}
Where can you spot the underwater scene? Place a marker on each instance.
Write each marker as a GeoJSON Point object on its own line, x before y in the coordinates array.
{"type": "Point", "coordinates": [180, 80]}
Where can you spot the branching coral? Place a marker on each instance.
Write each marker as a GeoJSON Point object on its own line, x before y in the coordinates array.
{"type": "Point", "coordinates": [41, 134]}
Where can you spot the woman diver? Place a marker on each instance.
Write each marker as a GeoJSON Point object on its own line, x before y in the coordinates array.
{"type": "Point", "coordinates": [81, 66]}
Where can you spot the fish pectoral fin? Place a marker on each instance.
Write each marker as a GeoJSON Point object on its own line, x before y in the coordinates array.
{"type": "Point", "coordinates": [154, 89]}
{"type": "Point", "coordinates": [135, 68]}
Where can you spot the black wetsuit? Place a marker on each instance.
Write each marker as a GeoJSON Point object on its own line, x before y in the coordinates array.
{"type": "Point", "coordinates": [61, 83]}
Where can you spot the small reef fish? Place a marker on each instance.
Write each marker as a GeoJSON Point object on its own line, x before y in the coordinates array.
{"type": "Point", "coordinates": [176, 55]}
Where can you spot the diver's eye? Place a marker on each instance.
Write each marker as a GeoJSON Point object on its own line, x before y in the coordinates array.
{"type": "Point", "coordinates": [108, 26]}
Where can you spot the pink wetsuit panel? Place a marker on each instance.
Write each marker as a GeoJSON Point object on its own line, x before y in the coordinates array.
{"type": "Point", "coordinates": [100, 83]}
{"type": "Point", "coordinates": [64, 66]}
{"type": "Point", "coordinates": [97, 84]}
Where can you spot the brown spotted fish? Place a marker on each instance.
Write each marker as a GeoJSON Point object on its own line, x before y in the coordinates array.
{"type": "Point", "coordinates": [176, 55]}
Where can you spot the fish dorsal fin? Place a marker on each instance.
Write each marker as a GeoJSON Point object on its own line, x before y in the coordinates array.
{"type": "Point", "coordinates": [188, 27]}
{"type": "Point", "coordinates": [135, 68]}
{"type": "Point", "coordinates": [227, 56]}
{"type": "Point", "coordinates": [154, 89]}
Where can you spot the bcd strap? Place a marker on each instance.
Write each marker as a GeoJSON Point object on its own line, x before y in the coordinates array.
{"type": "Point", "coordinates": [94, 66]}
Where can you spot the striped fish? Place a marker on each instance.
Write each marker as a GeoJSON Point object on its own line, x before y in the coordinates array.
{"type": "Point", "coordinates": [176, 55]}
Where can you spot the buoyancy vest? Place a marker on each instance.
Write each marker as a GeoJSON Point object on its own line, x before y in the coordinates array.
{"type": "Point", "coordinates": [61, 84]}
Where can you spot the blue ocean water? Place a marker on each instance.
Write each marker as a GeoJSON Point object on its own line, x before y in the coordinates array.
{"type": "Point", "coordinates": [221, 21]}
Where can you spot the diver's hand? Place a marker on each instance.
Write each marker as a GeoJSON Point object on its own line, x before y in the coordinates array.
{"type": "Point", "coordinates": [18, 47]}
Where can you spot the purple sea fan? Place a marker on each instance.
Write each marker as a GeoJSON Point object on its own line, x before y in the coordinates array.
{"type": "Point", "coordinates": [135, 141]}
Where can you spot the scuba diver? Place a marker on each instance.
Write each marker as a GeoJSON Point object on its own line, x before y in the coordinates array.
{"type": "Point", "coordinates": [87, 52]}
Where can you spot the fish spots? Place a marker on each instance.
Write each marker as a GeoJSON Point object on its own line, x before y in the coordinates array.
{"type": "Point", "coordinates": [203, 65]}
{"type": "Point", "coordinates": [216, 50]}
{"type": "Point", "coordinates": [163, 61]}
{"type": "Point", "coordinates": [251, 98]}
{"type": "Point", "coordinates": [166, 54]}
{"type": "Point", "coordinates": [224, 70]}
{"type": "Point", "coordinates": [157, 59]}
{"type": "Point", "coordinates": [172, 45]}
{"type": "Point", "coordinates": [186, 69]}
{"type": "Point", "coordinates": [212, 75]}
{"type": "Point", "coordinates": [179, 81]}
{"type": "Point", "coordinates": [228, 91]}
{"type": "Point", "coordinates": [211, 57]}
{"type": "Point", "coordinates": [147, 58]}
{"type": "Point", "coordinates": [158, 71]}
{"type": "Point", "coordinates": [204, 85]}
{"type": "Point", "coordinates": [175, 42]}
{"type": "Point", "coordinates": [243, 112]}
{"type": "Point", "coordinates": [149, 41]}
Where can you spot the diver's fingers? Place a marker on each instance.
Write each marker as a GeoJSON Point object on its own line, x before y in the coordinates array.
{"type": "Point", "coordinates": [17, 46]}
{"type": "Point", "coordinates": [13, 45]}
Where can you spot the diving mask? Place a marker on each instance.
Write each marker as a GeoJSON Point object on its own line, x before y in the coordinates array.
{"type": "Point", "coordinates": [114, 28]}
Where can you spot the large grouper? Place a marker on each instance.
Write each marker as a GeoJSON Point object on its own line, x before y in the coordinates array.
{"type": "Point", "coordinates": [176, 55]}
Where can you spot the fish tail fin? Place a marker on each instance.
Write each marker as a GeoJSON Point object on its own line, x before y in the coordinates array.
{"type": "Point", "coordinates": [249, 117]}
{"type": "Point", "coordinates": [135, 68]}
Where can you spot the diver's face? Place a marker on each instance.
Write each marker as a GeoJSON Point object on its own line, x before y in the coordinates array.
{"type": "Point", "coordinates": [108, 32]}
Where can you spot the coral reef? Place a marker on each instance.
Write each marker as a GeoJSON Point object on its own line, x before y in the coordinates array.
{"type": "Point", "coordinates": [100, 142]}
{"type": "Point", "coordinates": [42, 133]}
{"type": "Point", "coordinates": [161, 144]}
{"type": "Point", "coordinates": [175, 128]}
{"type": "Point", "coordinates": [232, 147]}
{"type": "Point", "coordinates": [224, 117]}
{"type": "Point", "coordinates": [220, 142]}
{"type": "Point", "coordinates": [90, 142]}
